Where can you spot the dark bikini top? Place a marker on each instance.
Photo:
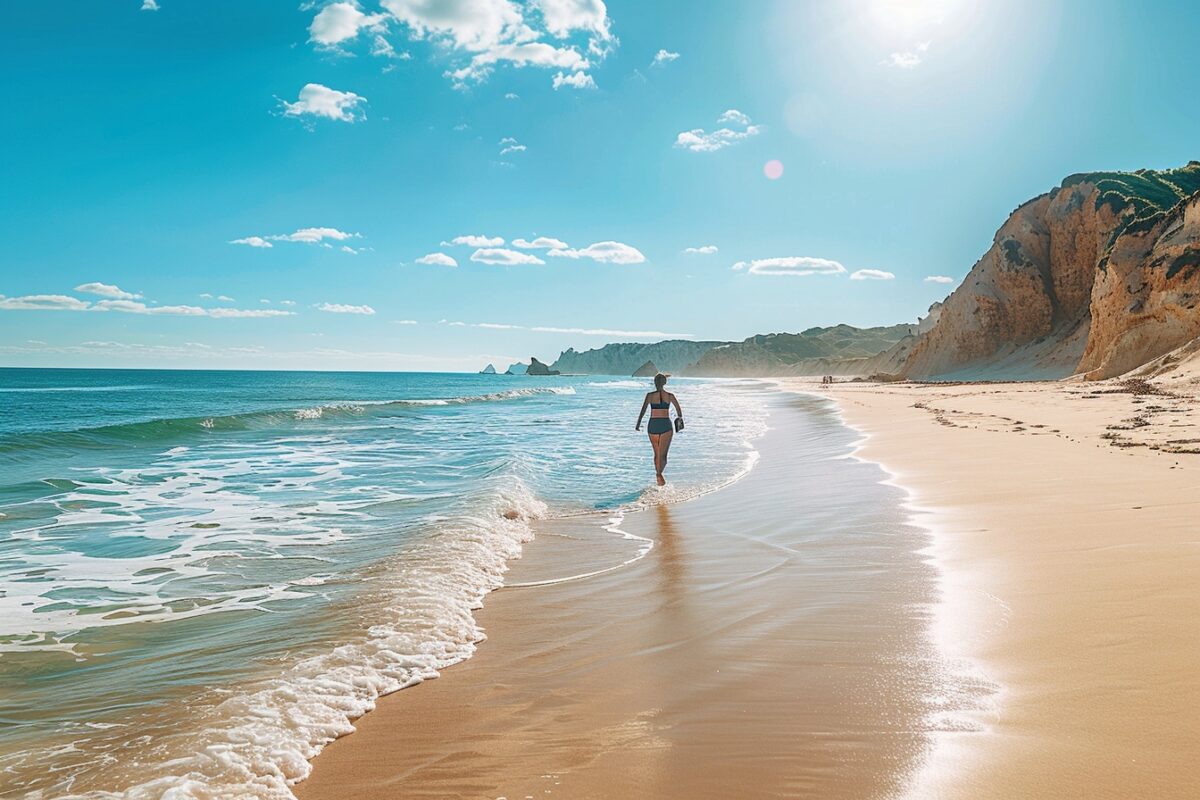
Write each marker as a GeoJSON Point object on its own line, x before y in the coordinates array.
{"type": "Point", "coordinates": [660, 405]}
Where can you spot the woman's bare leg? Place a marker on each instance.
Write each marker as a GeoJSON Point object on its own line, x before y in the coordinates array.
{"type": "Point", "coordinates": [664, 445]}
{"type": "Point", "coordinates": [656, 443]}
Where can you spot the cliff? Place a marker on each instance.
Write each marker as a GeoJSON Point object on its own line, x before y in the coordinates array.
{"type": "Point", "coordinates": [517, 369]}
{"type": "Point", "coordinates": [488, 370]}
{"type": "Point", "coordinates": [1096, 277]}
{"type": "Point", "coordinates": [623, 358]}
{"type": "Point", "coordinates": [647, 370]}
{"type": "Point", "coordinates": [837, 350]}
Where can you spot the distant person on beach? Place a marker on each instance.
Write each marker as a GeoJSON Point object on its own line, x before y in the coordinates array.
{"type": "Point", "coordinates": [660, 428]}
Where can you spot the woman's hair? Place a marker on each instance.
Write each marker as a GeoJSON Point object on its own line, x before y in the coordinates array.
{"type": "Point", "coordinates": [660, 380]}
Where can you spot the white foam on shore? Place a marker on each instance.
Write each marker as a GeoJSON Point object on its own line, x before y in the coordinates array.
{"type": "Point", "coordinates": [258, 743]}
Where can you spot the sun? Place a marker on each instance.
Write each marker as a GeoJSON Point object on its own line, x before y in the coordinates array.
{"type": "Point", "coordinates": [911, 18]}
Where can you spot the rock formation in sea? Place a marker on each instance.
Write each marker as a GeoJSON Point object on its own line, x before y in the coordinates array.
{"type": "Point", "coordinates": [488, 370]}
{"type": "Point", "coordinates": [538, 368]}
{"type": "Point", "coordinates": [517, 369]}
{"type": "Point", "coordinates": [623, 358]}
{"type": "Point", "coordinates": [1094, 278]}
{"type": "Point", "coordinates": [647, 370]}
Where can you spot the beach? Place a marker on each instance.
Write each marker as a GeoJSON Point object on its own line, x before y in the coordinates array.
{"type": "Point", "coordinates": [1038, 640]}
{"type": "Point", "coordinates": [1070, 556]}
{"type": "Point", "coordinates": [772, 643]}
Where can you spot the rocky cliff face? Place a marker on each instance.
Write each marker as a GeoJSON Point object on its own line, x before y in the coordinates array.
{"type": "Point", "coordinates": [623, 358]}
{"type": "Point", "coordinates": [1097, 277]}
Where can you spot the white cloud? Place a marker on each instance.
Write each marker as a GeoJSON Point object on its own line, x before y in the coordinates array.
{"type": "Point", "coordinates": [341, 308]}
{"type": "Point", "coordinates": [106, 290]}
{"type": "Point", "coordinates": [663, 57]}
{"type": "Point", "coordinates": [700, 141]}
{"type": "Point", "coordinates": [338, 22]}
{"type": "Point", "coordinates": [255, 313]}
{"type": "Point", "coordinates": [510, 145]}
{"type": "Point", "coordinates": [871, 275]}
{"type": "Point", "coordinates": [149, 5]}
{"type": "Point", "coordinates": [908, 59]}
{"type": "Point", "coordinates": [904, 60]}
{"type": "Point", "coordinates": [494, 255]}
{"type": "Point", "coordinates": [124, 304]}
{"type": "Point", "coordinates": [321, 101]}
{"type": "Point", "coordinates": [205, 296]}
{"type": "Point", "coordinates": [703, 250]}
{"type": "Point", "coordinates": [735, 117]}
{"type": "Point", "coordinates": [605, 252]}
{"type": "Point", "coordinates": [473, 240]}
{"type": "Point", "coordinates": [43, 302]}
{"type": "Point", "coordinates": [264, 301]}
{"type": "Point", "coordinates": [791, 265]}
{"type": "Point", "coordinates": [313, 235]}
{"type": "Point", "coordinates": [224, 298]}
{"type": "Point", "coordinates": [535, 54]}
{"type": "Point", "coordinates": [512, 96]}
{"type": "Point", "coordinates": [134, 307]}
{"type": "Point", "coordinates": [473, 25]}
{"type": "Point", "coordinates": [541, 243]}
{"type": "Point", "coordinates": [438, 259]}
{"type": "Point", "coordinates": [287, 302]}
{"type": "Point", "coordinates": [939, 279]}
{"type": "Point", "coordinates": [562, 17]}
{"type": "Point", "coordinates": [483, 32]}
{"type": "Point", "coordinates": [405, 321]}
{"type": "Point", "coordinates": [252, 241]}
{"type": "Point", "coordinates": [577, 80]}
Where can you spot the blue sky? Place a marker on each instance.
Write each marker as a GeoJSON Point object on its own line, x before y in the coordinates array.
{"type": "Point", "coordinates": [152, 155]}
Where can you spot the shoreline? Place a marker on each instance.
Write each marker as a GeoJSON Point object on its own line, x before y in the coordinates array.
{"type": "Point", "coordinates": [743, 655]}
{"type": "Point", "coordinates": [1068, 568]}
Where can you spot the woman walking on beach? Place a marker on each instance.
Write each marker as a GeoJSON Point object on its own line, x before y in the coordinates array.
{"type": "Point", "coordinates": [660, 429]}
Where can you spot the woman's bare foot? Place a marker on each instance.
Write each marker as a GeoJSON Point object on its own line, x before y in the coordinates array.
{"type": "Point", "coordinates": [661, 480]}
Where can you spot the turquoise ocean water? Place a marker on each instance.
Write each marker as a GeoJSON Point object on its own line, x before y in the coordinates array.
{"type": "Point", "coordinates": [204, 576]}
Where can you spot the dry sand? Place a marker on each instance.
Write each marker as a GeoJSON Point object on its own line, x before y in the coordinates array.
{"type": "Point", "coordinates": [1067, 521]}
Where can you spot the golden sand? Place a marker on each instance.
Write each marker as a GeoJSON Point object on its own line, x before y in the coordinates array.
{"type": "Point", "coordinates": [1071, 550]}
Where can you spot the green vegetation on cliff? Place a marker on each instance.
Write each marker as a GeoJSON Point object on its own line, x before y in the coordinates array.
{"type": "Point", "coordinates": [1141, 197]}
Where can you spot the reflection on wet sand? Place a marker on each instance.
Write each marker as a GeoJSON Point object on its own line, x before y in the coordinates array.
{"type": "Point", "coordinates": [771, 644]}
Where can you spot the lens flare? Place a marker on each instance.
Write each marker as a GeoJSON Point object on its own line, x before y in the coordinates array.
{"type": "Point", "coordinates": [773, 169]}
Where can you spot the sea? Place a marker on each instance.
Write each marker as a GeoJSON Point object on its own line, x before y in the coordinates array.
{"type": "Point", "coordinates": [206, 576]}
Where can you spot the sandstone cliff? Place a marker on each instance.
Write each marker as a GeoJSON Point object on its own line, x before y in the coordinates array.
{"type": "Point", "coordinates": [1096, 277]}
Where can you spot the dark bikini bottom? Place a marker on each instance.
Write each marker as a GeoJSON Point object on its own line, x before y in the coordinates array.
{"type": "Point", "coordinates": [659, 425]}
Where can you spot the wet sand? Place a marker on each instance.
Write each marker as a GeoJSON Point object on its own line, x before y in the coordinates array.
{"type": "Point", "coordinates": [1067, 520]}
{"type": "Point", "coordinates": [773, 643]}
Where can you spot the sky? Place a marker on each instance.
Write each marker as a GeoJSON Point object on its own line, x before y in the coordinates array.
{"type": "Point", "coordinates": [441, 184]}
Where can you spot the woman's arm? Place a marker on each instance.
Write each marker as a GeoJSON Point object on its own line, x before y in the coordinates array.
{"type": "Point", "coordinates": [642, 413]}
{"type": "Point", "coordinates": [678, 410]}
